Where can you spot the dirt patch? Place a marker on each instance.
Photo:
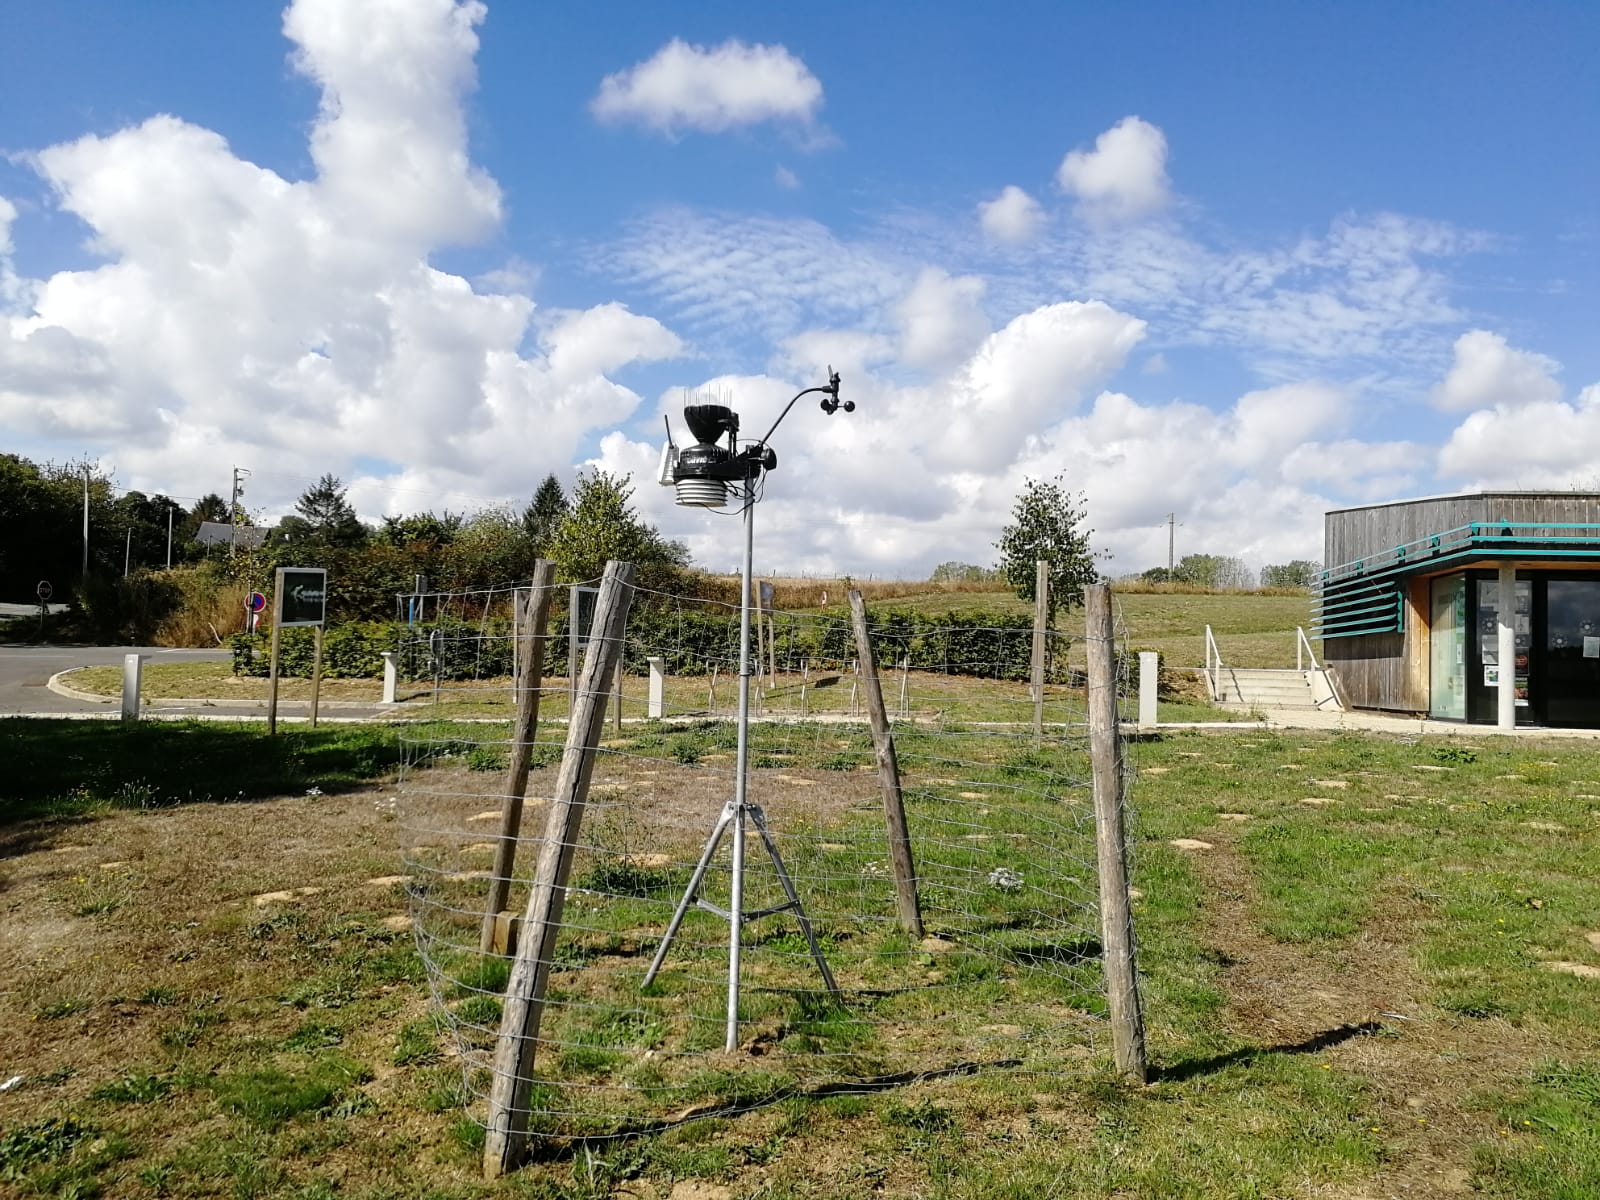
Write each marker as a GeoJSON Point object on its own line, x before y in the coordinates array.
{"type": "Point", "coordinates": [1362, 1007]}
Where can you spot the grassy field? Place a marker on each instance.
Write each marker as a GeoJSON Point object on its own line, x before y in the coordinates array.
{"type": "Point", "coordinates": [1371, 967]}
{"type": "Point", "coordinates": [1251, 630]}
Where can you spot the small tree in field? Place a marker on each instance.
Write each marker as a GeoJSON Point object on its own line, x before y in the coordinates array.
{"type": "Point", "coordinates": [601, 524]}
{"type": "Point", "coordinates": [1047, 522]}
{"type": "Point", "coordinates": [1300, 573]}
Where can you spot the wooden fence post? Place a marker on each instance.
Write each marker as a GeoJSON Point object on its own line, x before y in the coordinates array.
{"type": "Point", "coordinates": [518, 1043]}
{"type": "Point", "coordinates": [894, 812]}
{"type": "Point", "coordinates": [272, 659]}
{"type": "Point", "coordinates": [1116, 912]}
{"type": "Point", "coordinates": [531, 626]}
{"type": "Point", "coordinates": [1041, 621]}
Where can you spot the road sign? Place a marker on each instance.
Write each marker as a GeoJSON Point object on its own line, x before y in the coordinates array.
{"type": "Point", "coordinates": [255, 602]}
{"type": "Point", "coordinates": [44, 591]}
{"type": "Point", "coordinates": [302, 596]}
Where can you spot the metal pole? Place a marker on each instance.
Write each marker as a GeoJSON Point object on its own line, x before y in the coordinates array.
{"type": "Point", "coordinates": [1172, 519]}
{"type": "Point", "coordinates": [127, 552]}
{"type": "Point", "coordinates": [1506, 647]}
{"type": "Point", "coordinates": [85, 572]}
{"type": "Point", "coordinates": [169, 537]}
{"type": "Point", "coordinates": [741, 776]}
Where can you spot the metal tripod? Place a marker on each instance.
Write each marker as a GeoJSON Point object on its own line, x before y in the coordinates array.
{"type": "Point", "coordinates": [734, 814]}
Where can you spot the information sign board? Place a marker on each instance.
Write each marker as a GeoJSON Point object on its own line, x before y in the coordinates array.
{"type": "Point", "coordinates": [302, 596]}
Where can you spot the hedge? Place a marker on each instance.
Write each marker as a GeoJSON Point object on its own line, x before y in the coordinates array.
{"type": "Point", "coordinates": [959, 642]}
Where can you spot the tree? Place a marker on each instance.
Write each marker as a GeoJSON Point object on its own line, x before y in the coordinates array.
{"type": "Point", "coordinates": [1213, 572]}
{"type": "Point", "coordinates": [425, 528]}
{"type": "Point", "coordinates": [601, 524]}
{"type": "Point", "coordinates": [490, 548]}
{"type": "Point", "coordinates": [1300, 573]}
{"type": "Point", "coordinates": [1047, 522]}
{"type": "Point", "coordinates": [328, 516]}
{"type": "Point", "coordinates": [959, 572]}
{"type": "Point", "coordinates": [544, 513]}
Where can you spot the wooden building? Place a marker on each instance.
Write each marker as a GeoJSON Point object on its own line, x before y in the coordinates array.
{"type": "Point", "coordinates": [1412, 599]}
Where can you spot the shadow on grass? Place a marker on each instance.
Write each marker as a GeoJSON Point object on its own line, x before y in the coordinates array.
{"type": "Point", "coordinates": [549, 1148]}
{"type": "Point", "coordinates": [1315, 1044]}
{"type": "Point", "coordinates": [67, 769]}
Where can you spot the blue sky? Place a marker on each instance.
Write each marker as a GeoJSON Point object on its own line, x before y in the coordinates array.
{"type": "Point", "coordinates": [1243, 263]}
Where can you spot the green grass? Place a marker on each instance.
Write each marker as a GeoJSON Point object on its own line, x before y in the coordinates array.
{"type": "Point", "coordinates": [62, 768]}
{"type": "Point", "coordinates": [254, 1080]}
{"type": "Point", "coordinates": [268, 1097]}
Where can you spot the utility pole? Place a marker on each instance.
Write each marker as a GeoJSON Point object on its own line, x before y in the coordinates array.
{"type": "Point", "coordinates": [127, 552]}
{"type": "Point", "coordinates": [1171, 537]}
{"type": "Point", "coordinates": [233, 511]}
{"type": "Point", "coordinates": [85, 571]}
{"type": "Point", "coordinates": [169, 535]}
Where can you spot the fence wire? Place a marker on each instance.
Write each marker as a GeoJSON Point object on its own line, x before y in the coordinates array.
{"type": "Point", "coordinates": [1001, 829]}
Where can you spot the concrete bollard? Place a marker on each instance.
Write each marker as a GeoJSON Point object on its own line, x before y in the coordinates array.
{"type": "Point", "coordinates": [1149, 669]}
{"type": "Point", "coordinates": [658, 689]}
{"type": "Point", "coordinates": [132, 670]}
{"type": "Point", "coordinates": [391, 675]}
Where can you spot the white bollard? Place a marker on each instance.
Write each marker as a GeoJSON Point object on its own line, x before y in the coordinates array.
{"type": "Point", "coordinates": [656, 707]}
{"type": "Point", "coordinates": [1149, 668]}
{"type": "Point", "coordinates": [391, 675]}
{"type": "Point", "coordinates": [132, 669]}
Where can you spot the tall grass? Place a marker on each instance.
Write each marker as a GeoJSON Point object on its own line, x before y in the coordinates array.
{"type": "Point", "coordinates": [208, 613]}
{"type": "Point", "coordinates": [1145, 587]}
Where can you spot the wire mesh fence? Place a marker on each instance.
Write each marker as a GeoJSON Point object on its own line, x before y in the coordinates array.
{"type": "Point", "coordinates": [996, 781]}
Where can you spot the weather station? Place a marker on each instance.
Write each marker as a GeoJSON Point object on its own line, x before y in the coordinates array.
{"type": "Point", "coordinates": [706, 475]}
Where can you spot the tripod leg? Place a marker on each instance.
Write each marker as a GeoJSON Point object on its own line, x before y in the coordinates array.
{"type": "Point", "coordinates": [760, 819]}
{"type": "Point", "coordinates": [690, 892]}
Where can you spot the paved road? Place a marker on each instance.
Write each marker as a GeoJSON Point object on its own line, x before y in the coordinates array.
{"type": "Point", "coordinates": [27, 610]}
{"type": "Point", "coordinates": [25, 669]}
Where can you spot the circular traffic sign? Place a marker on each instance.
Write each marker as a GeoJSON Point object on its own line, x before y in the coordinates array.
{"type": "Point", "coordinates": [255, 602]}
{"type": "Point", "coordinates": [44, 591]}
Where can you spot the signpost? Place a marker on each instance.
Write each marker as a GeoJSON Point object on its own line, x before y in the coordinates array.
{"type": "Point", "coordinates": [254, 604]}
{"type": "Point", "coordinates": [301, 599]}
{"type": "Point", "coordinates": [44, 591]}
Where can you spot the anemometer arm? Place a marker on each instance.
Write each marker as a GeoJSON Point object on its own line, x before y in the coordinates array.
{"type": "Point", "coordinates": [830, 405]}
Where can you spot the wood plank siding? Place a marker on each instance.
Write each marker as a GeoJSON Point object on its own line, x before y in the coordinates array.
{"type": "Point", "coordinates": [1352, 533]}
{"type": "Point", "coordinates": [1390, 670]}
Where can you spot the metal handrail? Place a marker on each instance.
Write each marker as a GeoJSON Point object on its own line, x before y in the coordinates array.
{"type": "Point", "coordinates": [1302, 651]}
{"type": "Point", "coordinates": [1213, 665]}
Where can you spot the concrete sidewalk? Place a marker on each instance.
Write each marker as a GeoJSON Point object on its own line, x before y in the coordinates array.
{"type": "Point", "coordinates": [1371, 722]}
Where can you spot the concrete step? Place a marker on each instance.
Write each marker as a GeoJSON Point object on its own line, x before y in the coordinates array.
{"type": "Point", "coordinates": [1261, 687]}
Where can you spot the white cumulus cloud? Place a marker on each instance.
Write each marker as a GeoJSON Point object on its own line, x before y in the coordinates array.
{"type": "Point", "coordinates": [683, 86]}
{"type": "Point", "coordinates": [297, 326]}
{"type": "Point", "coordinates": [1012, 216]}
{"type": "Point", "coordinates": [1489, 372]}
{"type": "Point", "coordinates": [941, 319]}
{"type": "Point", "coordinates": [1124, 177]}
{"type": "Point", "coordinates": [1544, 443]}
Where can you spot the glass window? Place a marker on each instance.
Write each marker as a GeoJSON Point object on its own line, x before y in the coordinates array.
{"type": "Point", "coordinates": [1447, 649]}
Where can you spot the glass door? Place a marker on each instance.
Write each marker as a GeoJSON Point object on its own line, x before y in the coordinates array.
{"type": "Point", "coordinates": [1571, 645]}
{"type": "Point", "coordinates": [1447, 649]}
{"type": "Point", "coordinates": [1483, 655]}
